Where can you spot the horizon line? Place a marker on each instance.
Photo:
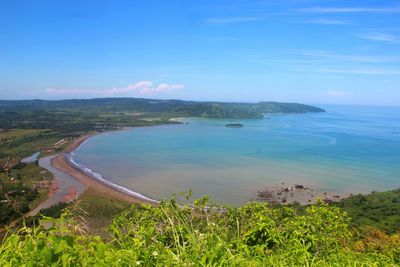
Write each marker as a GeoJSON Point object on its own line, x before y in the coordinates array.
{"type": "Point", "coordinates": [216, 101]}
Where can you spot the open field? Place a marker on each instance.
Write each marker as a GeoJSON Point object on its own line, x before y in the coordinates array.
{"type": "Point", "coordinates": [14, 134]}
{"type": "Point", "coordinates": [25, 146]}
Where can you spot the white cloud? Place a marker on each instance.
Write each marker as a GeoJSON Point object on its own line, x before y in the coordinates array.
{"type": "Point", "coordinates": [322, 54]}
{"type": "Point", "coordinates": [140, 87]}
{"type": "Point", "coordinates": [324, 21]}
{"type": "Point", "coordinates": [381, 37]}
{"type": "Point", "coordinates": [350, 10]}
{"type": "Point", "coordinates": [336, 93]}
{"type": "Point", "coordinates": [231, 20]}
{"type": "Point", "coordinates": [352, 70]}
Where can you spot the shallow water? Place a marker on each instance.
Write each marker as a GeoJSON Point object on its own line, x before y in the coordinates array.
{"type": "Point", "coordinates": [34, 157]}
{"type": "Point", "coordinates": [65, 184]}
{"type": "Point", "coordinates": [346, 149]}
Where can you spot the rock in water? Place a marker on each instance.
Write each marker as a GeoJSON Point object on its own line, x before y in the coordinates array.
{"type": "Point", "coordinates": [234, 125]}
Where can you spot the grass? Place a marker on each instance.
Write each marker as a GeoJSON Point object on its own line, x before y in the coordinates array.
{"type": "Point", "coordinates": [26, 146]}
{"type": "Point", "coordinates": [30, 173]}
{"type": "Point", "coordinates": [200, 235]}
{"type": "Point", "coordinates": [13, 134]}
{"type": "Point", "coordinates": [100, 210]}
{"type": "Point", "coordinates": [42, 196]}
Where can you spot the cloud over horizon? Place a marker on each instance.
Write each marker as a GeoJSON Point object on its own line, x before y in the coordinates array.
{"type": "Point", "coordinates": [140, 87]}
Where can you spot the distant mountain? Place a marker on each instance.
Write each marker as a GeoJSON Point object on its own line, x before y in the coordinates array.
{"type": "Point", "coordinates": [275, 107]}
{"type": "Point", "coordinates": [81, 115]}
{"type": "Point", "coordinates": [157, 107]}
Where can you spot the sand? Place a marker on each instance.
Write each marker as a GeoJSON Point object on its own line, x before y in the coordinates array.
{"type": "Point", "coordinates": [77, 142]}
{"type": "Point", "coordinates": [62, 163]}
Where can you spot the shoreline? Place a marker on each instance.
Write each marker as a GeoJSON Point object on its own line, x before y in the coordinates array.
{"type": "Point", "coordinates": [98, 185]}
{"type": "Point", "coordinates": [298, 193]}
{"type": "Point", "coordinates": [65, 164]}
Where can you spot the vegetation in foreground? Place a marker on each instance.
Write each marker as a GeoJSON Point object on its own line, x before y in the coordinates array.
{"type": "Point", "coordinates": [203, 235]}
{"type": "Point", "coordinates": [380, 210]}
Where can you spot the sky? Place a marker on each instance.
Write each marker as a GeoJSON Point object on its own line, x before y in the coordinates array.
{"type": "Point", "coordinates": [307, 51]}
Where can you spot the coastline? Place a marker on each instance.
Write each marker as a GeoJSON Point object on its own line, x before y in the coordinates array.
{"type": "Point", "coordinates": [76, 143]}
{"type": "Point", "coordinates": [95, 185]}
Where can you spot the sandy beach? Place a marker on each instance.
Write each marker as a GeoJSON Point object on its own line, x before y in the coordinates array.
{"type": "Point", "coordinates": [77, 142]}
{"type": "Point", "coordinates": [63, 164]}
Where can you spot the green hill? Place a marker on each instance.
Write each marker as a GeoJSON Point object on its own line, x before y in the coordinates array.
{"type": "Point", "coordinates": [87, 113]}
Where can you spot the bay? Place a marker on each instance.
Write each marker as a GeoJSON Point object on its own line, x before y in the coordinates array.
{"type": "Point", "coordinates": [348, 149]}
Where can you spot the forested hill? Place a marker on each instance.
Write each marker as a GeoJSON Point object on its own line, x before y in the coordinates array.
{"type": "Point", "coordinates": [105, 113]}
{"type": "Point", "coordinates": [153, 106]}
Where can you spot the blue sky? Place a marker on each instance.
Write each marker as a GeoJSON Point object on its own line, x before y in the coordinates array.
{"type": "Point", "coordinates": [309, 51]}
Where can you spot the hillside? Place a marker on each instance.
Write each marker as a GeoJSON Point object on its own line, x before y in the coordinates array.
{"type": "Point", "coordinates": [84, 114]}
{"type": "Point", "coordinates": [151, 105]}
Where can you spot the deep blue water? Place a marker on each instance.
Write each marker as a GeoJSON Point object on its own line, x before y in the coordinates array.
{"type": "Point", "coordinates": [346, 149]}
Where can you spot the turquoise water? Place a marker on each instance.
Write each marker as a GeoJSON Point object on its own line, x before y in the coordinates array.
{"type": "Point", "coordinates": [347, 150]}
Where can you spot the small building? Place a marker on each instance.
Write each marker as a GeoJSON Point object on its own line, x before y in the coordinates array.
{"type": "Point", "coordinates": [42, 184]}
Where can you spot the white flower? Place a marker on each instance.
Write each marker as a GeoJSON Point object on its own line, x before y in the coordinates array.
{"type": "Point", "coordinates": [155, 253]}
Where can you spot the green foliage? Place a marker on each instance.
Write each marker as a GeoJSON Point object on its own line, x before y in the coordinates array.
{"type": "Point", "coordinates": [216, 110]}
{"type": "Point", "coordinates": [15, 199]}
{"type": "Point", "coordinates": [17, 195]}
{"type": "Point", "coordinates": [101, 211]}
{"type": "Point", "coordinates": [378, 209]}
{"type": "Point", "coordinates": [202, 235]}
{"type": "Point", "coordinates": [26, 146]}
{"type": "Point", "coordinates": [71, 116]}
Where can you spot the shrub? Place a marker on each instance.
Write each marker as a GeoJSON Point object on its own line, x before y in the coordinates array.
{"type": "Point", "coordinates": [202, 235]}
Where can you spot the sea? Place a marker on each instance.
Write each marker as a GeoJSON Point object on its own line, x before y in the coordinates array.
{"type": "Point", "coordinates": [347, 149]}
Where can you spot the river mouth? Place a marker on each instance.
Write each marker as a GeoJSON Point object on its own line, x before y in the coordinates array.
{"type": "Point", "coordinates": [344, 150]}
